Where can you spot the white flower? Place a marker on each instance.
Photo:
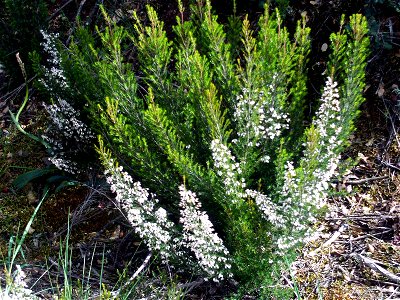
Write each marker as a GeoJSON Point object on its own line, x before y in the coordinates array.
{"type": "Point", "coordinates": [199, 236]}
{"type": "Point", "coordinates": [17, 288]}
{"type": "Point", "coordinates": [54, 75]}
{"type": "Point", "coordinates": [66, 133]}
{"type": "Point", "coordinates": [301, 195]}
{"type": "Point", "coordinates": [268, 208]}
{"type": "Point", "coordinates": [259, 120]}
{"type": "Point", "coordinates": [227, 168]}
{"type": "Point", "coordinates": [149, 222]}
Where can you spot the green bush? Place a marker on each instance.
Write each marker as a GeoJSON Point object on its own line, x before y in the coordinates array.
{"type": "Point", "coordinates": [223, 175]}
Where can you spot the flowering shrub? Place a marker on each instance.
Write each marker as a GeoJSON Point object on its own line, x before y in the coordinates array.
{"type": "Point", "coordinates": [221, 140]}
{"type": "Point", "coordinates": [68, 138]}
{"type": "Point", "coordinates": [151, 224]}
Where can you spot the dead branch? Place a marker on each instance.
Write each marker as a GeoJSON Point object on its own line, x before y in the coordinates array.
{"type": "Point", "coordinates": [136, 274]}
{"type": "Point", "coordinates": [362, 217]}
{"type": "Point", "coordinates": [58, 10]}
{"type": "Point", "coordinates": [365, 180]}
{"type": "Point", "coordinates": [373, 264]}
{"type": "Point", "coordinates": [389, 165]}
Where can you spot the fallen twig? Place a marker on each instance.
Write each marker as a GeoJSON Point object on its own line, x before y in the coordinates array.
{"type": "Point", "coordinates": [346, 274]}
{"type": "Point", "coordinates": [58, 10]}
{"type": "Point", "coordinates": [364, 180]}
{"type": "Point", "coordinates": [138, 271]}
{"type": "Point", "coordinates": [133, 277]}
{"type": "Point", "coordinates": [371, 235]}
{"type": "Point", "coordinates": [361, 217]}
{"type": "Point", "coordinates": [191, 285]}
{"type": "Point", "coordinates": [389, 165]}
{"type": "Point", "coordinates": [17, 90]}
{"type": "Point", "coordinates": [373, 264]}
{"type": "Point", "coordinates": [393, 292]}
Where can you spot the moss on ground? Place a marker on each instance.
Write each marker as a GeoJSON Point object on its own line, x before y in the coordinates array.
{"type": "Point", "coordinates": [18, 155]}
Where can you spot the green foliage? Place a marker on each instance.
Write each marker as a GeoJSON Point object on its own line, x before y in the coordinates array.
{"type": "Point", "coordinates": [15, 118]}
{"type": "Point", "coordinates": [345, 66]}
{"type": "Point", "coordinates": [27, 177]}
{"type": "Point", "coordinates": [226, 120]}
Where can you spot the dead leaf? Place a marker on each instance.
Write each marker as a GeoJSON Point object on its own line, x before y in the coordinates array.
{"type": "Point", "coordinates": [344, 210]}
{"type": "Point", "coordinates": [371, 248]}
{"type": "Point", "coordinates": [362, 157]}
{"type": "Point", "coordinates": [370, 142]}
{"type": "Point", "coordinates": [31, 197]}
{"type": "Point", "coordinates": [366, 210]}
{"type": "Point", "coordinates": [381, 90]}
{"type": "Point", "coordinates": [116, 234]}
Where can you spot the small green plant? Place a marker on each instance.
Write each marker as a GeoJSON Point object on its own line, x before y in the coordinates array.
{"type": "Point", "coordinates": [223, 174]}
{"type": "Point", "coordinates": [16, 287]}
{"type": "Point", "coordinates": [15, 118]}
{"type": "Point", "coordinates": [81, 288]}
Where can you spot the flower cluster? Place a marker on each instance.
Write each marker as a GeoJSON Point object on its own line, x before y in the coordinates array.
{"type": "Point", "coordinates": [268, 208]}
{"type": "Point", "coordinates": [327, 119]}
{"type": "Point", "coordinates": [17, 289]}
{"type": "Point", "coordinates": [227, 168]}
{"type": "Point", "coordinates": [65, 164]}
{"type": "Point", "coordinates": [258, 119]}
{"type": "Point", "coordinates": [305, 190]}
{"type": "Point", "coordinates": [199, 237]}
{"type": "Point", "coordinates": [149, 222]}
{"type": "Point", "coordinates": [159, 234]}
{"type": "Point", "coordinates": [65, 118]}
{"type": "Point", "coordinates": [54, 75]}
{"type": "Point", "coordinates": [67, 136]}
{"type": "Point", "coordinates": [329, 143]}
